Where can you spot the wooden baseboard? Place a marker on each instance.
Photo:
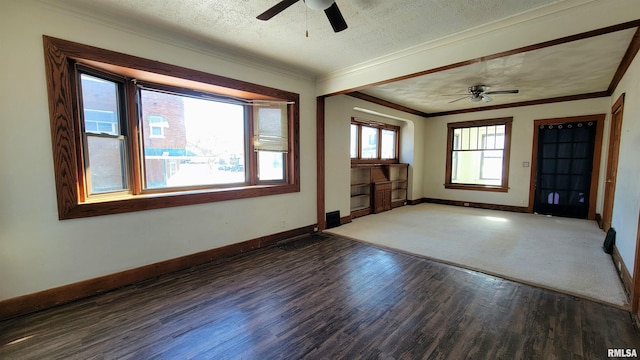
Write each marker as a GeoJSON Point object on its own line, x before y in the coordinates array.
{"type": "Point", "coordinates": [415, 202]}
{"type": "Point", "coordinates": [520, 209]}
{"type": "Point", "coordinates": [345, 219]}
{"type": "Point", "coordinates": [52, 297]}
{"type": "Point", "coordinates": [622, 270]}
{"type": "Point", "coordinates": [361, 212]}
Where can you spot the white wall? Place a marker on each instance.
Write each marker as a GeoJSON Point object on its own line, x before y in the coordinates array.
{"type": "Point", "coordinates": [37, 251]}
{"type": "Point", "coordinates": [521, 148]}
{"type": "Point", "coordinates": [338, 112]}
{"type": "Point", "coordinates": [626, 203]}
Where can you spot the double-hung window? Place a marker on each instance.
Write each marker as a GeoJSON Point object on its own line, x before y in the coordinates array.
{"type": "Point", "coordinates": [104, 139]}
{"type": "Point", "coordinates": [374, 142]}
{"type": "Point", "coordinates": [134, 134]}
{"type": "Point", "coordinates": [478, 155]}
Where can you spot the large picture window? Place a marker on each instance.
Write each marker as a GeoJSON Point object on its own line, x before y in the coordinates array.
{"type": "Point", "coordinates": [133, 134]}
{"type": "Point", "coordinates": [374, 142]}
{"type": "Point", "coordinates": [478, 155]}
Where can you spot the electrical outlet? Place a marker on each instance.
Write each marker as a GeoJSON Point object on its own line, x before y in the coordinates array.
{"type": "Point", "coordinates": [466, 204]}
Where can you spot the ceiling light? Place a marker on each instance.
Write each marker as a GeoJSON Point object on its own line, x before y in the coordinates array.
{"type": "Point", "coordinates": [319, 4]}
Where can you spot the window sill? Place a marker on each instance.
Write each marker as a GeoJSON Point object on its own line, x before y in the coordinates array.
{"type": "Point", "coordinates": [132, 203]}
{"type": "Point", "coordinates": [477, 187]}
{"type": "Point", "coordinates": [374, 161]}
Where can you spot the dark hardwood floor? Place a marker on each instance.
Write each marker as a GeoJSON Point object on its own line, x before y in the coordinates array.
{"type": "Point", "coordinates": [322, 297]}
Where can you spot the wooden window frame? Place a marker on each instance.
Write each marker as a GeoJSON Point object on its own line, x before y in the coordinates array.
{"type": "Point", "coordinates": [504, 187]}
{"type": "Point", "coordinates": [379, 126]}
{"type": "Point", "coordinates": [61, 56]}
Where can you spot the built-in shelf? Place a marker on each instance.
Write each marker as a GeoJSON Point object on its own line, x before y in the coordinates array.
{"type": "Point", "coordinates": [360, 208]}
{"type": "Point", "coordinates": [360, 195]}
{"type": "Point", "coordinates": [377, 187]}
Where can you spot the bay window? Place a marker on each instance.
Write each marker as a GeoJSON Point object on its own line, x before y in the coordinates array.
{"type": "Point", "coordinates": [133, 134]}
{"type": "Point", "coordinates": [374, 142]}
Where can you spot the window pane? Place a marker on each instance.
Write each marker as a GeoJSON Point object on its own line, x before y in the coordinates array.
{"type": "Point", "coordinates": [493, 138]}
{"type": "Point", "coordinates": [354, 141]}
{"type": "Point", "coordinates": [500, 137]}
{"type": "Point", "coordinates": [100, 105]}
{"type": "Point", "coordinates": [270, 166]}
{"type": "Point", "coordinates": [106, 168]}
{"type": "Point", "coordinates": [465, 141]}
{"type": "Point", "coordinates": [105, 163]}
{"type": "Point", "coordinates": [202, 141]}
{"type": "Point", "coordinates": [388, 146]}
{"type": "Point", "coordinates": [454, 166]}
{"type": "Point", "coordinates": [477, 167]}
{"type": "Point", "coordinates": [491, 165]}
{"type": "Point", "coordinates": [369, 142]}
{"type": "Point", "coordinates": [457, 135]}
{"type": "Point", "coordinates": [270, 127]}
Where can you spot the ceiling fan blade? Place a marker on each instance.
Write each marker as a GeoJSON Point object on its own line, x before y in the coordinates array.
{"type": "Point", "coordinates": [464, 97]}
{"type": "Point", "coordinates": [502, 92]}
{"type": "Point", "coordinates": [276, 9]}
{"type": "Point", "coordinates": [335, 18]}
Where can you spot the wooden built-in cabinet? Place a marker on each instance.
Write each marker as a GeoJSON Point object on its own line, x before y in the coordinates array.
{"type": "Point", "coordinates": [381, 196]}
{"type": "Point", "coordinates": [377, 187]}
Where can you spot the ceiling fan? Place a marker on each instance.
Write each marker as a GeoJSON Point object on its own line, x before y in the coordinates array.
{"type": "Point", "coordinates": [329, 6]}
{"type": "Point", "coordinates": [480, 93]}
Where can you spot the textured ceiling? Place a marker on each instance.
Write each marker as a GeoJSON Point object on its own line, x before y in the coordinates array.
{"type": "Point", "coordinates": [376, 27]}
{"type": "Point", "coordinates": [379, 29]}
{"type": "Point", "coordinates": [577, 67]}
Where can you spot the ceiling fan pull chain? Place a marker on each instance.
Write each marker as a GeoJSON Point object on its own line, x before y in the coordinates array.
{"type": "Point", "coordinates": [306, 20]}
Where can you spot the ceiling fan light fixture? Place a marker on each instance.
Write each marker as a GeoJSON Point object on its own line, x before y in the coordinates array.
{"type": "Point", "coordinates": [319, 4]}
{"type": "Point", "coordinates": [475, 98]}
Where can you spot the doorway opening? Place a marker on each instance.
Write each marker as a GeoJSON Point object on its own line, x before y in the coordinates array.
{"type": "Point", "coordinates": [565, 164]}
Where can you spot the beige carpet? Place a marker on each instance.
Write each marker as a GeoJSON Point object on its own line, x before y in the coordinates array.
{"type": "Point", "coordinates": [556, 253]}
